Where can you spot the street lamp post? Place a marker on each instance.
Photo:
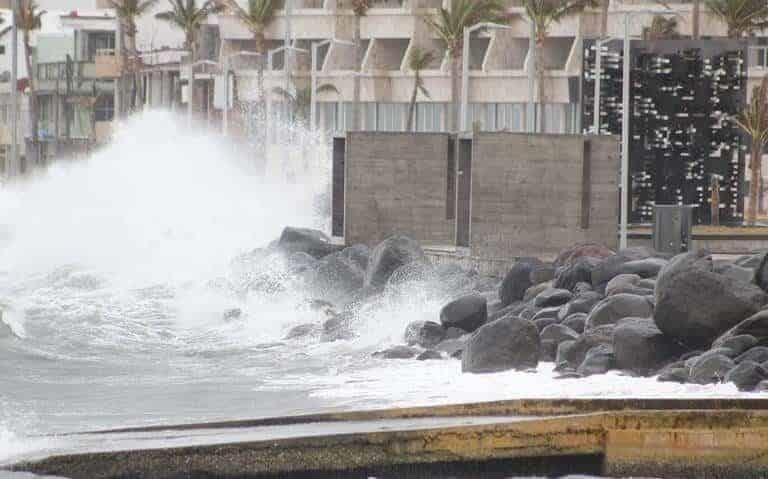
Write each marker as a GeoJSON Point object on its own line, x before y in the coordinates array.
{"type": "Point", "coordinates": [225, 113]}
{"type": "Point", "coordinates": [465, 67]}
{"type": "Point", "coordinates": [13, 166]}
{"type": "Point", "coordinates": [313, 76]}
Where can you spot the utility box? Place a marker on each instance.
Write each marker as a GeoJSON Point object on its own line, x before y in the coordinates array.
{"type": "Point", "coordinates": [672, 228]}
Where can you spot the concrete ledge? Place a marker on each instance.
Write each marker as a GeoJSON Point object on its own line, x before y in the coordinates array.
{"type": "Point", "coordinates": [668, 438]}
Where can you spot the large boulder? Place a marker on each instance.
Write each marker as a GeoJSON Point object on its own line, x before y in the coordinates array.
{"type": "Point", "coordinates": [598, 360]}
{"type": "Point", "coordinates": [357, 254]}
{"type": "Point", "coordinates": [645, 268]}
{"type": "Point", "coordinates": [581, 303]}
{"type": "Point", "coordinates": [711, 369]}
{"type": "Point", "coordinates": [575, 321]}
{"type": "Point", "coordinates": [467, 313]}
{"type": "Point", "coordinates": [507, 343]}
{"type": "Point", "coordinates": [570, 354]}
{"type": "Point", "coordinates": [552, 297]}
{"type": "Point", "coordinates": [746, 375]}
{"type": "Point", "coordinates": [755, 326]}
{"type": "Point", "coordinates": [424, 333]}
{"type": "Point", "coordinates": [626, 283]}
{"type": "Point", "coordinates": [573, 253]}
{"type": "Point", "coordinates": [611, 266]}
{"type": "Point", "coordinates": [334, 277]}
{"type": "Point", "coordinates": [551, 337]}
{"type": "Point", "coordinates": [517, 280]}
{"type": "Point", "coordinates": [695, 305]}
{"type": "Point", "coordinates": [761, 272]}
{"type": "Point", "coordinates": [757, 354]}
{"type": "Point", "coordinates": [613, 308]}
{"type": "Point", "coordinates": [388, 256]}
{"type": "Point", "coordinates": [641, 347]}
{"type": "Point", "coordinates": [739, 343]}
{"type": "Point", "coordinates": [397, 352]}
{"type": "Point", "coordinates": [575, 272]}
{"type": "Point", "coordinates": [304, 240]}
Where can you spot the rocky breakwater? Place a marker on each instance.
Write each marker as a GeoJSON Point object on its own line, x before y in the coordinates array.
{"type": "Point", "coordinates": [687, 318]}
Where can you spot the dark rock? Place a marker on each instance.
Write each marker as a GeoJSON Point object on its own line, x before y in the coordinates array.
{"type": "Point", "coordinates": [338, 327]}
{"type": "Point", "coordinates": [582, 287]}
{"type": "Point", "coordinates": [695, 305]}
{"type": "Point", "coordinates": [506, 343]}
{"type": "Point", "coordinates": [542, 323]}
{"type": "Point", "coordinates": [467, 313]}
{"type": "Point", "coordinates": [298, 263]}
{"type": "Point", "coordinates": [397, 352]}
{"type": "Point", "coordinates": [232, 314]}
{"type": "Point", "coordinates": [569, 375]}
{"type": "Point", "coordinates": [611, 266]}
{"type": "Point", "coordinates": [751, 261]}
{"type": "Point", "coordinates": [731, 270]}
{"type": "Point", "coordinates": [761, 273]}
{"type": "Point", "coordinates": [429, 354]}
{"type": "Point", "coordinates": [578, 271]}
{"type": "Point", "coordinates": [626, 284]}
{"type": "Point", "coordinates": [739, 343]}
{"type": "Point", "coordinates": [410, 275]}
{"type": "Point", "coordinates": [690, 362]}
{"type": "Point", "coordinates": [509, 310]}
{"type": "Point", "coordinates": [528, 312]}
{"type": "Point", "coordinates": [531, 293]}
{"type": "Point", "coordinates": [570, 354]}
{"type": "Point", "coordinates": [452, 346]}
{"type": "Point", "coordinates": [494, 306]}
{"type": "Point", "coordinates": [541, 273]}
{"type": "Point", "coordinates": [674, 375]}
{"type": "Point", "coordinates": [746, 375]}
{"type": "Point", "coordinates": [613, 308]}
{"type": "Point", "coordinates": [517, 280]}
{"type": "Point", "coordinates": [755, 326]}
{"type": "Point", "coordinates": [357, 254]}
{"type": "Point", "coordinates": [598, 360]}
{"type": "Point", "coordinates": [424, 333]}
{"type": "Point", "coordinates": [645, 268]}
{"type": "Point", "coordinates": [550, 313]}
{"type": "Point", "coordinates": [758, 354]}
{"type": "Point", "coordinates": [711, 369]}
{"type": "Point", "coordinates": [690, 354]}
{"type": "Point", "coordinates": [647, 283]}
{"type": "Point", "coordinates": [582, 303]}
{"type": "Point", "coordinates": [641, 348]}
{"type": "Point", "coordinates": [313, 242]}
{"type": "Point", "coordinates": [552, 297]}
{"type": "Point", "coordinates": [570, 255]}
{"type": "Point", "coordinates": [302, 330]}
{"type": "Point", "coordinates": [334, 277]}
{"type": "Point", "coordinates": [454, 333]}
{"type": "Point", "coordinates": [551, 336]}
{"type": "Point", "coordinates": [388, 256]}
{"type": "Point", "coordinates": [576, 322]}
{"type": "Point", "coordinates": [762, 386]}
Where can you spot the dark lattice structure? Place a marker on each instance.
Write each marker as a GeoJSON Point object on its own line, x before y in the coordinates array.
{"type": "Point", "coordinates": [683, 94]}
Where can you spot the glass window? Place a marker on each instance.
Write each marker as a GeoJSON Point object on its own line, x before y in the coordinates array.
{"type": "Point", "coordinates": [430, 116]}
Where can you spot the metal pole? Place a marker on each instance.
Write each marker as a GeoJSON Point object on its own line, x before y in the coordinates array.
{"type": "Point", "coordinates": [464, 81]}
{"type": "Point", "coordinates": [531, 116]}
{"type": "Point", "coordinates": [313, 87]}
{"type": "Point", "coordinates": [13, 166]}
{"type": "Point", "coordinates": [625, 138]}
{"type": "Point", "coordinates": [225, 112]}
{"type": "Point", "coordinates": [598, 78]}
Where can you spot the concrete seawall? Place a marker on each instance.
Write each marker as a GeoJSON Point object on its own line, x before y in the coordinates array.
{"type": "Point", "coordinates": [662, 438]}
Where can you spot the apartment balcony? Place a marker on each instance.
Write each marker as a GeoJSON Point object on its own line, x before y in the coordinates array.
{"type": "Point", "coordinates": [106, 64]}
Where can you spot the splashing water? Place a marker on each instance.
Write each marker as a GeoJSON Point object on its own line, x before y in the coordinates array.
{"type": "Point", "coordinates": [135, 290]}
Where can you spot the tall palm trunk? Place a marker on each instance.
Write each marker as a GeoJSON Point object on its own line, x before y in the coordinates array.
{"type": "Point", "coordinates": [754, 181]}
{"type": "Point", "coordinates": [130, 47]}
{"type": "Point", "coordinates": [356, 116]}
{"type": "Point", "coordinates": [696, 18]}
{"type": "Point", "coordinates": [412, 107]}
{"type": "Point", "coordinates": [190, 45]}
{"type": "Point", "coordinates": [262, 50]}
{"type": "Point", "coordinates": [540, 77]}
{"type": "Point", "coordinates": [453, 119]}
{"type": "Point", "coordinates": [33, 114]}
{"type": "Point", "coordinates": [604, 5]}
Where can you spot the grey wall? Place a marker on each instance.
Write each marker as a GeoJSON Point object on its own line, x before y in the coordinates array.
{"type": "Point", "coordinates": [396, 183]}
{"type": "Point", "coordinates": [529, 195]}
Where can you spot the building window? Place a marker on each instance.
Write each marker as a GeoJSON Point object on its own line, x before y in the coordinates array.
{"type": "Point", "coordinates": [99, 41]}
{"type": "Point", "coordinates": [104, 109]}
{"type": "Point", "coordinates": [2, 49]}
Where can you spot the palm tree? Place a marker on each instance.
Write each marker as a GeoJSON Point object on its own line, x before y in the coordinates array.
{"type": "Point", "coordinates": [696, 19]}
{"type": "Point", "coordinates": [360, 9]}
{"type": "Point", "coordinates": [742, 17]}
{"type": "Point", "coordinates": [754, 121]}
{"type": "Point", "coordinates": [418, 60]}
{"type": "Point", "coordinates": [28, 20]}
{"type": "Point", "coordinates": [661, 28]}
{"type": "Point", "coordinates": [449, 26]}
{"type": "Point", "coordinates": [257, 16]}
{"type": "Point", "coordinates": [543, 14]}
{"type": "Point", "coordinates": [300, 101]}
{"type": "Point", "coordinates": [127, 12]}
{"type": "Point", "coordinates": [188, 17]}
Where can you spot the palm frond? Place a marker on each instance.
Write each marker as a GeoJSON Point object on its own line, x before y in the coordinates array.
{"type": "Point", "coordinates": [743, 17]}
{"type": "Point", "coordinates": [449, 24]}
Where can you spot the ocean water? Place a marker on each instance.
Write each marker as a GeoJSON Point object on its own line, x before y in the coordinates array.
{"type": "Point", "coordinates": [116, 273]}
